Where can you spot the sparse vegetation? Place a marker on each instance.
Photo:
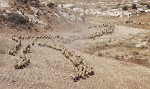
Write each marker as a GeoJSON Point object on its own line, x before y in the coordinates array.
{"type": "Point", "coordinates": [148, 6]}
{"type": "Point", "coordinates": [51, 5]}
{"type": "Point", "coordinates": [22, 1]}
{"type": "Point", "coordinates": [134, 59]}
{"type": "Point", "coordinates": [125, 8]}
{"type": "Point", "coordinates": [17, 19]}
{"type": "Point", "coordinates": [134, 6]}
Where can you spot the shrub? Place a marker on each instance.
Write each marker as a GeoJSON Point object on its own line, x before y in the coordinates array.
{"type": "Point", "coordinates": [2, 18]}
{"type": "Point", "coordinates": [134, 6]}
{"type": "Point", "coordinates": [17, 19]}
{"type": "Point", "coordinates": [51, 5]}
{"type": "Point", "coordinates": [22, 1]}
{"type": "Point", "coordinates": [148, 6]}
{"type": "Point", "coordinates": [124, 8]}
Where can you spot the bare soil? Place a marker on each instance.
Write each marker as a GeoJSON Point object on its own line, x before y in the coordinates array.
{"type": "Point", "coordinates": [116, 54]}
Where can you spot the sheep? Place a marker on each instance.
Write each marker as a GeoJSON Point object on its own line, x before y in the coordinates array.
{"type": "Point", "coordinates": [22, 64]}
{"type": "Point", "coordinates": [26, 49]}
{"type": "Point", "coordinates": [16, 39]}
{"type": "Point", "coordinates": [81, 68]}
{"type": "Point", "coordinates": [11, 52]}
{"type": "Point", "coordinates": [28, 37]}
{"type": "Point", "coordinates": [18, 46]}
{"type": "Point", "coordinates": [22, 56]}
{"type": "Point", "coordinates": [75, 77]}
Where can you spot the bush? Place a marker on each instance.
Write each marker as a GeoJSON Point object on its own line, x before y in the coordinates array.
{"type": "Point", "coordinates": [2, 18]}
{"type": "Point", "coordinates": [124, 8]}
{"type": "Point", "coordinates": [22, 1]}
{"type": "Point", "coordinates": [17, 19]}
{"type": "Point", "coordinates": [35, 3]}
{"type": "Point", "coordinates": [148, 6]}
{"type": "Point", "coordinates": [51, 5]}
{"type": "Point", "coordinates": [134, 6]}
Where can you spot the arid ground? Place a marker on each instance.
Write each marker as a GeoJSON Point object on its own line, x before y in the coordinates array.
{"type": "Point", "coordinates": [44, 46]}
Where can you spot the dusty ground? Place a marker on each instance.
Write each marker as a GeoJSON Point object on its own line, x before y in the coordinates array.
{"type": "Point", "coordinates": [120, 59]}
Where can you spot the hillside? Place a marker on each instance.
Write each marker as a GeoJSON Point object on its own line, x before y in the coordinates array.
{"type": "Point", "coordinates": [75, 44]}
